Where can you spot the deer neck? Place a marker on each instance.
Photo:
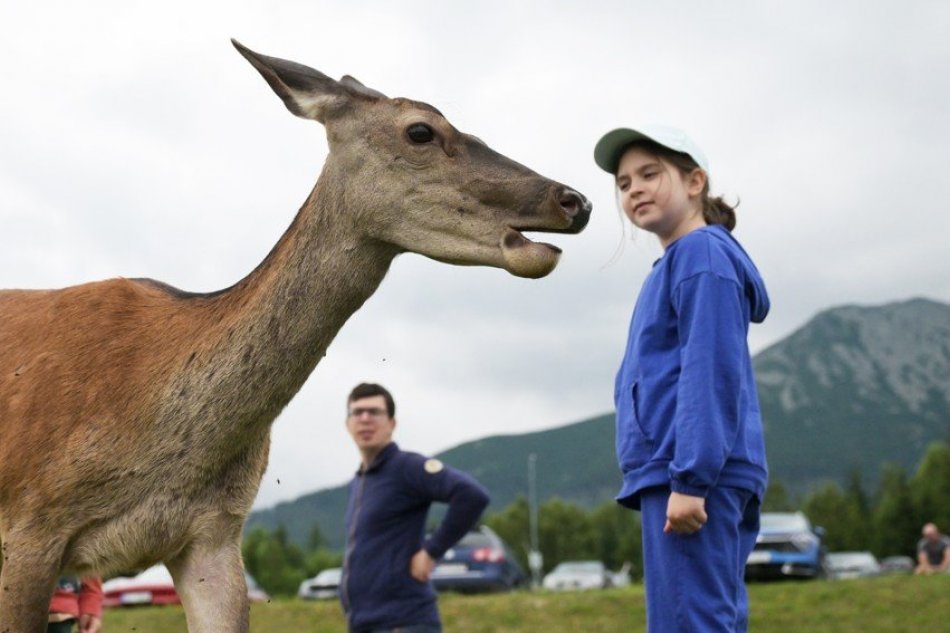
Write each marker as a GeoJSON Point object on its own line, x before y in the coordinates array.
{"type": "Point", "coordinates": [277, 323]}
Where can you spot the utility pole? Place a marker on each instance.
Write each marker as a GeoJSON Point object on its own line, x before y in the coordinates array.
{"type": "Point", "coordinates": [535, 560]}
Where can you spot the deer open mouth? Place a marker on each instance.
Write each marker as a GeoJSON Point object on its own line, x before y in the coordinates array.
{"type": "Point", "coordinates": [526, 258]}
{"type": "Point", "coordinates": [514, 238]}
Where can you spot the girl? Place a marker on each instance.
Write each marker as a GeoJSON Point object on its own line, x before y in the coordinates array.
{"type": "Point", "coordinates": [689, 431]}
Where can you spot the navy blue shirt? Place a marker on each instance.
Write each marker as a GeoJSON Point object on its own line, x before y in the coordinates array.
{"type": "Point", "coordinates": [385, 526]}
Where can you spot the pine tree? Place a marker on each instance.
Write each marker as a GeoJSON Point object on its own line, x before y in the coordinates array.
{"type": "Point", "coordinates": [931, 486]}
{"type": "Point", "coordinates": [895, 520]}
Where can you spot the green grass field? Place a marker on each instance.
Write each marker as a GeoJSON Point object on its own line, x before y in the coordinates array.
{"type": "Point", "coordinates": [890, 604]}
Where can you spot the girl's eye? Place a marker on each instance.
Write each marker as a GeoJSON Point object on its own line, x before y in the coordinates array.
{"type": "Point", "coordinates": [650, 174]}
{"type": "Point", "coordinates": [420, 133]}
{"type": "Point", "coordinates": [623, 186]}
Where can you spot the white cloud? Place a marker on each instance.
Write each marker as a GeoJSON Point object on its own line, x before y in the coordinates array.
{"type": "Point", "coordinates": [135, 141]}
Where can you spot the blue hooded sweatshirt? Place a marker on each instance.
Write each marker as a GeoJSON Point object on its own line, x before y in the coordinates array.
{"type": "Point", "coordinates": [687, 410]}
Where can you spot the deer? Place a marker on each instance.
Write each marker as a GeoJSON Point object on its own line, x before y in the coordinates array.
{"type": "Point", "coordinates": [135, 417]}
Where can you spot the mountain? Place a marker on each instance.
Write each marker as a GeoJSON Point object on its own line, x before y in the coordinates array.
{"type": "Point", "coordinates": [851, 389]}
{"type": "Point", "coordinates": [855, 387]}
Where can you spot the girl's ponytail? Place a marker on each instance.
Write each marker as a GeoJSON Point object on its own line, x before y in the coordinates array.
{"type": "Point", "coordinates": [717, 211]}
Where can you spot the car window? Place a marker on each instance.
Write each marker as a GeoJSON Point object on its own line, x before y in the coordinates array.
{"type": "Point", "coordinates": [789, 521]}
{"type": "Point", "coordinates": [581, 567]}
{"type": "Point", "coordinates": [329, 576]}
{"type": "Point", "coordinates": [474, 540]}
{"type": "Point", "coordinates": [849, 560]}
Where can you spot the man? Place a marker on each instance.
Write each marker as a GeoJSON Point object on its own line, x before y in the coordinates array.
{"type": "Point", "coordinates": [933, 551]}
{"type": "Point", "coordinates": [386, 585]}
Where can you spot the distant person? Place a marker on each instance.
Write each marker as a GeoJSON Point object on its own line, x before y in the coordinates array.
{"type": "Point", "coordinates": [689, 431]}
{"type": "Point", "coordinates": [388, 560]}
{"type": "Point", "coordinates": [76, 602]}
{"type": "Point", "coordinates": [933, 551]}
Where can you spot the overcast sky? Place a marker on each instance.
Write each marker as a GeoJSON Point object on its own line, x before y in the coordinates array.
{"type": "Point", "coordinates": [135, 141]}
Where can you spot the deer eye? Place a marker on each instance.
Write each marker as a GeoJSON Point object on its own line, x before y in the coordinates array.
{"type": "Point", "coordinates": [420, 133]}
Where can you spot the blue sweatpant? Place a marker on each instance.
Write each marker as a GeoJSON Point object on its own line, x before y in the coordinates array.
{"type": "Point", "coordinates": [694, 583]}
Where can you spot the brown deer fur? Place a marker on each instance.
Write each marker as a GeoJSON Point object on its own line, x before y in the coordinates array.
{"type": "Point", "coordinates": [135, 418]}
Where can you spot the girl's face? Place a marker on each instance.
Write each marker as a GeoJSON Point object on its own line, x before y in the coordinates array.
{"type": "Point", "coordinates": [657, 197]}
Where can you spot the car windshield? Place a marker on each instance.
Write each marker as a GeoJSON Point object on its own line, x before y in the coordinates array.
{"type": "Point", "coordinates": [157, 574]}
{"type": "Point", "coordinates": [475, 540]}
{"type": "Point", "coordinates": [329, 576]}
{"type": "Point", "coordinates": [787, 521]}
{"type": "Point", "coordinates": [851, 559]}
{"type": "Point", "coordinates": [580, 567]}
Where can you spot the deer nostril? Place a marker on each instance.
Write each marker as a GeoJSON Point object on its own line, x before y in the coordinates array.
{"type": "Point", "coordinates": [570, 201]}
{"type": "Point", "coordinates": [573, 203]}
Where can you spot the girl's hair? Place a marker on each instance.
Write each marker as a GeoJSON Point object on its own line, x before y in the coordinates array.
{"type": "Point", "coordinates": [715, 209]}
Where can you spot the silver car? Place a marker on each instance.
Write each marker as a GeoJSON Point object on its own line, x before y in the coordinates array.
{"type": "Point", "coordinates": [584, 574]}
{"type": "Point", "coordinates": [847, 565]}
{"type": "Point", "coordinates": [323, 586]}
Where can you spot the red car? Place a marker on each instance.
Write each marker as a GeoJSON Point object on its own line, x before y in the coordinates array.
{"type": "Point", "coordinates": [154, 586]}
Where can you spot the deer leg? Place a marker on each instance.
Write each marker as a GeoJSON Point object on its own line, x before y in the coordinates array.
{"type": "Point", "coordinates": [27, 579]}
{"type": "Point", "coordinates": [209, 578]}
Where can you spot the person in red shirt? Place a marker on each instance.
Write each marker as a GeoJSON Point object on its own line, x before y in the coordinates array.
{"type": "Point", "coordinates": [76, 601]}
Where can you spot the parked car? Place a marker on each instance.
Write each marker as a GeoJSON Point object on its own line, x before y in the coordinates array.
{"type": "Point", "coordinates": [481, 561]}
{"type": "Point", "coordinates": [621, 577]}
{"type": "Point", "coordinates": [787, 547]}
{"type": "Point", "coordinates": [323, 586]}
{"type": "Point", "coordinates": [847, 565]}
{"type": "Point", "coordinates": [584, 574]}
{"type": "Point", "coordinates": [898, 565]}
{"type": "Point", "coordinates": [154, 586]}
{"type": "Point", "coordinates": [254, 591]}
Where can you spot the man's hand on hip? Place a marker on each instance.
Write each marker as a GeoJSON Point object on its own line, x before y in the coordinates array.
{"type": "Point", "coordinates": [421, 566]}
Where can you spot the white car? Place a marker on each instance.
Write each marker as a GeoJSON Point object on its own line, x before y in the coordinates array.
{"type": "Point", "coordinates": [584, 574]}
{"type": "Point", "coordinates": [621, 577]}
{"type": "Point", "coordinates": [155, 586]}
{"type": "Point", "coordinates": [848, 565]}
{"type": "Point", "coordinates": [323, 586]}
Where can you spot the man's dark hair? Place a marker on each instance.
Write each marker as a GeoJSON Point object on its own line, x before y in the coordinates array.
{"type": "Point", "coordinates": [370, 389]}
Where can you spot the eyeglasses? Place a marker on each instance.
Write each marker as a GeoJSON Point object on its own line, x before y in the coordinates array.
{"type": "Point", "coordinates": [373, 412]}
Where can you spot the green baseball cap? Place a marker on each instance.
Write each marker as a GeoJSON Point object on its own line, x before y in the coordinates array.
{"type": "Point", "coordinates": [611, 145]}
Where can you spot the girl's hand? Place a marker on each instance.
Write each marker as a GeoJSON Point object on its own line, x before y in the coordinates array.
{"type": "Point", "coordinates": [685, 514]}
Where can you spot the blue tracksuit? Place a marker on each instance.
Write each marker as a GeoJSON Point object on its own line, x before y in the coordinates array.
{"type": "Point", "coordinates": [385, 526]}
{"type": "Point", "coordinates": [688, 419]}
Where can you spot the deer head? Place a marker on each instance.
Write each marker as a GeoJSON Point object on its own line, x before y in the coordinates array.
{"type": "Point", "coordinates": [413, 181]}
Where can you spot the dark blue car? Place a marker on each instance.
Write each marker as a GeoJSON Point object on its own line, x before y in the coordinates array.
{"type": "Point", "coordinates": [479, 562]}
{"type": "Point", "coordinates": [787, 547]}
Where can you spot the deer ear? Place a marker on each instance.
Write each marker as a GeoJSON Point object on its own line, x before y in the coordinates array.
{"type": "Point", "coordinates": [306, 92]}
{"type": "Point", "coordinates": [354, 84]}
